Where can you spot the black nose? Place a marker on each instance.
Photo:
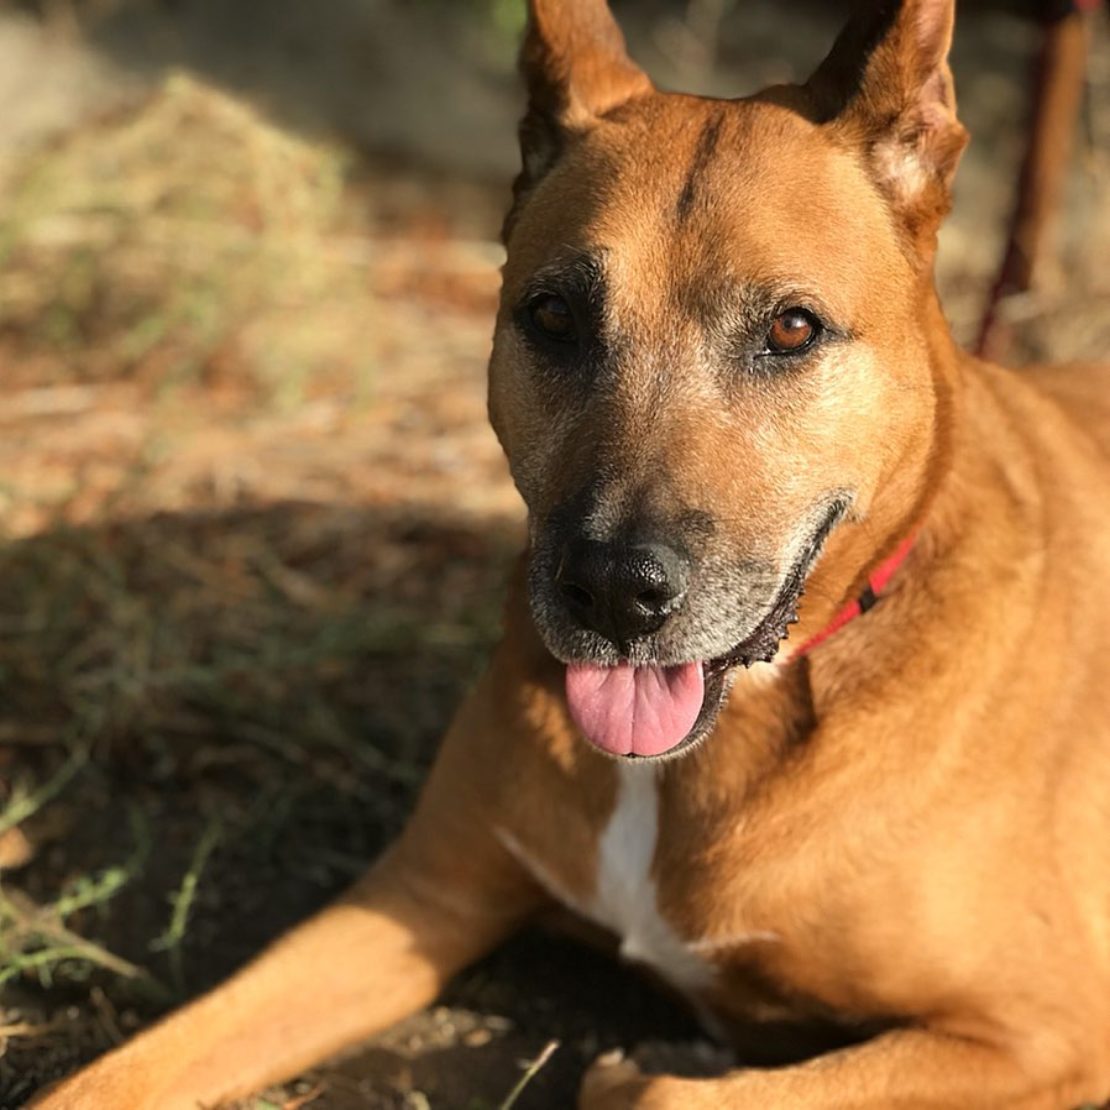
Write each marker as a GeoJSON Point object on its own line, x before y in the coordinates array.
{"type": "Point", "coordinates": [622, 591]}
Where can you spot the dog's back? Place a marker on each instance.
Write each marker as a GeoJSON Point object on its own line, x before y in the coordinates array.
{"type": "Point", "coordinates": [1083, 391]}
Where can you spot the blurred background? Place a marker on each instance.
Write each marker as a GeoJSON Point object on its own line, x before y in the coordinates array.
{"type": "Point", "coordinates": [254, 526]}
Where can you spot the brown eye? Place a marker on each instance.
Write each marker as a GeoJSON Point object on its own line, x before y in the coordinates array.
{"type": "Point", "coordinates": [552, 317]}
{"type": "Point", "coordinates": [792, 332]}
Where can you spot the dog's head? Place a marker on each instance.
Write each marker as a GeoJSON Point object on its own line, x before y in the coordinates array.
{"type": "Point", "coordinates": [714, 355]}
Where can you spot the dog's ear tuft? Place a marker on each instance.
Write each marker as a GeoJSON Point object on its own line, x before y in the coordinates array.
{"type": "Point", "coordinates": [576, 69]}
{"type": "Point", "coordinates": [887, 88]}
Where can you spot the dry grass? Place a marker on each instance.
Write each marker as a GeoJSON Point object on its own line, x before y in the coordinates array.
{"type": "Point", "coordinates": [143, 250]}
{"type": "Point", "coordinates": [247, 568]}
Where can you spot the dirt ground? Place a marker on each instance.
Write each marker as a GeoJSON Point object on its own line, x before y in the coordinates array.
{"type": "Point", "coordinates": [255, 527]}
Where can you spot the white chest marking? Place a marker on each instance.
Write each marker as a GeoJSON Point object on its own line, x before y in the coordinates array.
{"type": "Point", "coordinates": [625, 897]}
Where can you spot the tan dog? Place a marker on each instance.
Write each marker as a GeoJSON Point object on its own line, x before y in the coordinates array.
{"type": "Point", "coordinates": [721, 375]}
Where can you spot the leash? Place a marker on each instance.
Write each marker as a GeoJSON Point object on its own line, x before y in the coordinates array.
{"type": "Point", "coordinates": [1059, 80]}
{"type": "Point", "coordinates": [877, 582]}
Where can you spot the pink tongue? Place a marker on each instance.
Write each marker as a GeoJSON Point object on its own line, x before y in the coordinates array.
{"type": "Point", "coordinates": [627, 710]}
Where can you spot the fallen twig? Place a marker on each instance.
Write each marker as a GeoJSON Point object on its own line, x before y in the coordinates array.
{"type": "Point", "coordinates": [530, 1073]}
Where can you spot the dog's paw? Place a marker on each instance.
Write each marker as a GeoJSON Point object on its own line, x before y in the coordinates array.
{"type": "Point", "coordinates": [612, 1082]}
{"type": "Point", "coordinates": [658, 1077]}
{"type": "Point", "coordinates": [688, 1059]}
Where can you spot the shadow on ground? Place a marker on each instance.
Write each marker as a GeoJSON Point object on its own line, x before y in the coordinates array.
{"type": "Point", "coordinates": [246, 701]}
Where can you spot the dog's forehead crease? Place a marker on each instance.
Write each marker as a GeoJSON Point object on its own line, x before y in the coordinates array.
{"type": "Point", "coordinates": [750, 196]}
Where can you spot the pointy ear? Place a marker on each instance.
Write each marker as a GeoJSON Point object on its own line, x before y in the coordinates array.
{"type": "Point", "coordinates": [576, 69]}
{"type": "Point", "coordinates": [888, 90]}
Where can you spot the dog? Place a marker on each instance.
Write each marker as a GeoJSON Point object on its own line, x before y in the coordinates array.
{"type": "Point", "coordinates": [871, 824]}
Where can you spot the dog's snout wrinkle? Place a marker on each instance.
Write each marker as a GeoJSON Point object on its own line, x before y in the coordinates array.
{"type": "Point", "coordinates": [621, 590]}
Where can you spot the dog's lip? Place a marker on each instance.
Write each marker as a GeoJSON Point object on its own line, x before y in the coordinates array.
{"type": "Point", "coordinates": [762, 644]}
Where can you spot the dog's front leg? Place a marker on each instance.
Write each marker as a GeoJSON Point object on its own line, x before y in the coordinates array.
{"type": "Point", "coordinates": [444, 895]}
{"type": "Point", "coordinates": [912, 1069]}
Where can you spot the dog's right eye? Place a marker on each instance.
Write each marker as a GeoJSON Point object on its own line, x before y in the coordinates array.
{"type": "Point", "coordinates": [792, 332]}
{"type": "Point", "coordinates": [552, 318]}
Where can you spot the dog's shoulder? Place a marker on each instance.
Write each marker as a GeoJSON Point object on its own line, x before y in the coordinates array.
{"type": "Point", "coordinates": [1082, 390]}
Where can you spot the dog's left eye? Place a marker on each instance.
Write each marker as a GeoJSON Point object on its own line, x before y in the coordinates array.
{"type": "Point", "coordinates": [551, 317]}
{"type": "Point", "coordinates": [792, 332]}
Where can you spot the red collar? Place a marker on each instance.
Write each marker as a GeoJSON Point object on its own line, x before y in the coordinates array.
{"type": "Point", "coordinates": [876, 584]}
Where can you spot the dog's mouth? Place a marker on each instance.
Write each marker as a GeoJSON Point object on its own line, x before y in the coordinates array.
{"type": "Point", "coordinates": [656, 712]}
